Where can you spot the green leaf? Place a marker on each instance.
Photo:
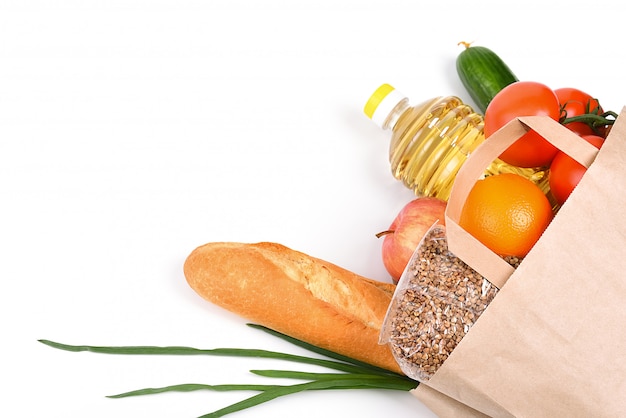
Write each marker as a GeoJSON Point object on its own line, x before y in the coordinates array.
{"type": "Point", "coordinates": [284, 391]}
{"type": "Point", "coordinates": [191, 387]}
{"type": "Point", "coordinates": [186, 351]}
{"type": "Point", "coordinates": [354, 374]}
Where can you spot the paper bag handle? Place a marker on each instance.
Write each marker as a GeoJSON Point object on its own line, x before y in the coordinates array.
{"type": "Point", "coordinates": [463, 245]}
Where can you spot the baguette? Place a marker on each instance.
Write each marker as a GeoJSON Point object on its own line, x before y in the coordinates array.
{"type": "Point", "coordinates": [298, 295]}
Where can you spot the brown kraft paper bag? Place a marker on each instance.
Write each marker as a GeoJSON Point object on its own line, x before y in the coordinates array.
{"type": "Point", "coordinates": [552, 342]}
{"type": "Point", "coordinates": [443, 405]}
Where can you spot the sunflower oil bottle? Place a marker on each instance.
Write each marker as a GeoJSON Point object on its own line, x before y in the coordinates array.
{"type": "Point", "coordinates": [431, 141]}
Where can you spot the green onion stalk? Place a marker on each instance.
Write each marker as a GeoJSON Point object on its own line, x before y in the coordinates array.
{"type": "Point", "coordinates": [347, 372]}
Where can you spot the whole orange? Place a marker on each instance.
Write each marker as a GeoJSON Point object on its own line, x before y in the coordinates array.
{"type": "Point", "coordinates": [507, 213]}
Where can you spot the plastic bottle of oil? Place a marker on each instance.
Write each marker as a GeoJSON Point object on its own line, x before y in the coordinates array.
{"type": "Point", "coordinates": [431, 141]}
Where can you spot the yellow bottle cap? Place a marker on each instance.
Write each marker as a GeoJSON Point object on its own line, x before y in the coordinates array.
{"type": "Point", "coordinates": [381, 103]}
{"type": "Point", "coordinates": [375, 99]}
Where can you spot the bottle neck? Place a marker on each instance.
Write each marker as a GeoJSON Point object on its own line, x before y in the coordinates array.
{"type": "Point", "coordinates": [395, 113]}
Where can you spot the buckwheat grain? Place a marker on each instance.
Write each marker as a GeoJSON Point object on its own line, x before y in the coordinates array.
{"type": "Point", "coordinates": [435, 306]}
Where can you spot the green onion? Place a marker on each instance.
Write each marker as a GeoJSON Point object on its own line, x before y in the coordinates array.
{"type": "Point", "coordinates": [352, 374]}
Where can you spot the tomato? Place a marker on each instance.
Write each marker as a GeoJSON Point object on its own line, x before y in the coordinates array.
{"type": "Point", "coordinates": [576, 102]}
{"type": "Point", "coordinates": [524, 98]}
{"type": "Point", "coordinates": [565, 172]}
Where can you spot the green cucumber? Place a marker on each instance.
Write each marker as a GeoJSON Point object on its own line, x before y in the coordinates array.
{"type": "Point", "coordinates": [483, 74]}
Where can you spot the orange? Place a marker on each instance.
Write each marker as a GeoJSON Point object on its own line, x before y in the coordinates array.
{"type": "Point", "coordinates": [507, 213]}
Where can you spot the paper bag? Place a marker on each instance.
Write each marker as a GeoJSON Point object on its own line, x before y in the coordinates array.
{"type": "Point", "coordinates": [443, 405]}
{"type": "Point", "coordinates": [553, 340]}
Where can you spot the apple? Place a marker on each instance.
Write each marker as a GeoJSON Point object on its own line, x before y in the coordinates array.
{"type": "Point", "coordinates": [407, 230]}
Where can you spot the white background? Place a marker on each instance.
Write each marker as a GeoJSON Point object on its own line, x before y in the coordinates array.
{"type": "Point", "coordinates": [133, 131]}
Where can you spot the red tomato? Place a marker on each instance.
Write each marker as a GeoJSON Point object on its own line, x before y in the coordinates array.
{"type": "Point", "coordinates": [575, 102]}
{"type": "Point", "coordinates": [523, 98]}
{"type": "Point", "coordinates": [565, 172]}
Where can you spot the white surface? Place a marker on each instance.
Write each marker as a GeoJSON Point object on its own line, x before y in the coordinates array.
{"type": "Point", "coordinates": [133, 131]}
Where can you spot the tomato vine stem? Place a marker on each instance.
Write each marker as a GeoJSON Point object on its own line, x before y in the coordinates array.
{"type": "Point", "coordinates": [594, 120]}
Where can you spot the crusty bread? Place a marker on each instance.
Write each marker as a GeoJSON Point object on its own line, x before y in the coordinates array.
{"type": "Point", "coordinates": [295, 294]}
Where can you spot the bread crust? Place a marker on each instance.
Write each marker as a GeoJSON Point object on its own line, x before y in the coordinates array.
{"type": "Point", "coordinates": [293, 293]}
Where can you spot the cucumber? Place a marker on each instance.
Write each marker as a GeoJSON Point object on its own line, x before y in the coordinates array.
{"type": "Point", "coordinates": [483, 74]}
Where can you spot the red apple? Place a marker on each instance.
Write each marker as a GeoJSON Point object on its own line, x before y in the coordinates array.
{"type": "Point", "coordinates": [407, 230]}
